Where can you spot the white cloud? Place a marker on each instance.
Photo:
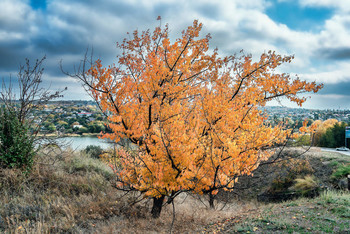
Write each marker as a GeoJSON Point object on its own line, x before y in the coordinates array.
{"type": "Point", "coordinates": [14, 14]}
{"type": "Point", "coordinates": [336, 32]}
{"type": "Point", "coordinates": [341, 5]}
{"type": "Point", "coordinates": [331, 74]}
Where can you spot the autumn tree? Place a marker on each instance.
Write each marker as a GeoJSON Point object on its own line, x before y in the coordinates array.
{"type": "Point", "coordinates": [321, 128]}
{"type": "Point", "coordinates": [193, 114]}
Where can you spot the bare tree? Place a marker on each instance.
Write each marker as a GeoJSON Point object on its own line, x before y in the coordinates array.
{"type": "Point", "coordinates": [29, 97]}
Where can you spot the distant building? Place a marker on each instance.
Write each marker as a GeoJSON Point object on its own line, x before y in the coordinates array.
{"type": "Point", "coordinates": [82, 114]}
{"type": "Point", "coordinates": [77, 126]}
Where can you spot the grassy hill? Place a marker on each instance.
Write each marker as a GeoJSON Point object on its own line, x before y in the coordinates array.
{"type": "Point", "coordinates": [328, 213]}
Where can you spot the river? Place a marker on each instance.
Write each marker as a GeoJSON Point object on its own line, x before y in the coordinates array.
{"type": "Point", "coordinates": [80, 143]}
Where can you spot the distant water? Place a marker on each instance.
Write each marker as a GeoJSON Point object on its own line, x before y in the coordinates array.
{"type": "Point", "coordinates": [80, 143]}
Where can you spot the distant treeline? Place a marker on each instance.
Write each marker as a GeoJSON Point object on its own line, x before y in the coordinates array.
{"type": "Point", "coordinates": [333, 137]}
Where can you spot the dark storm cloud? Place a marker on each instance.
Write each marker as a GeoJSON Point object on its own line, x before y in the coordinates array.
{"type": "Point", "coordinates": [342, 88]}
{"type": "Point", "coordinates": [68, 28]}
{"type": "Point", "coordinates": [11, 55]}
{"type": "Point", "coordinates": [341, 53]}
{"type": "Point", "coordinates": [64, 43]}
{"type": "Point", "coordinates": [320, 101]}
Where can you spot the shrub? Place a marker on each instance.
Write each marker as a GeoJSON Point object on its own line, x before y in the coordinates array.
{"type": "Point", "coordinates": [17, 115]}
{"type": "Point", "coordinates": [279, 184]}
{"type": "Point", "coordinates": [16, 145]}
{"type": "Point", "coordinates": [334, 136]}
{"type": "Point", "coordinates": [306, 185]}
{"type": "Point", "coordinates": [94, 151]}
{"type": "Point", "coordinates": [341, 171]}
{"type": "Point", "coordinates": [289, 171]}
{"type": "Point", "coordinates": [303, 140]}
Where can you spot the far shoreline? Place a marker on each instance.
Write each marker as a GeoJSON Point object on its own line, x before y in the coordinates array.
{"type": "Point", "coordinates": [70, 135]}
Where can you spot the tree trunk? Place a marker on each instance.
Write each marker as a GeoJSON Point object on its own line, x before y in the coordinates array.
{"type": "Point", "coordinates": [211, 201]}
{"type": "Point", "coordinates": [157, 206]}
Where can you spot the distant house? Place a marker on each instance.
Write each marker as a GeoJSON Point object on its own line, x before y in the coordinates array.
{"type": "Point", "coordinates": [77, 126]}
{"type": "Point", "coordinates": [82, 114]}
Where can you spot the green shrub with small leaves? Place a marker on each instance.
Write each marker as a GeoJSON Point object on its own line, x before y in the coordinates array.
{"type": "Point", "coordinates": [16, 145]}
{"type": "Point", "coordinates": [94, 151]}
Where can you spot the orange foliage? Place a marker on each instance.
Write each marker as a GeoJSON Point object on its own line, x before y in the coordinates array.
{"type": "Point", "coordinates": [193, 114]}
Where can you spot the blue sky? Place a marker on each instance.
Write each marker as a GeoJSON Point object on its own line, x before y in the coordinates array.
{"type": "Point", "coordinates": [38, 4]}
{"type": "Point", "coordinates": [297, 17]}
{"type": "Point", "coordinates": [317, 32]}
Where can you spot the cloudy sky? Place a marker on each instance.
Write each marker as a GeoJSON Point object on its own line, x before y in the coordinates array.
{"type": "Point", "coordinates": [317, 32]}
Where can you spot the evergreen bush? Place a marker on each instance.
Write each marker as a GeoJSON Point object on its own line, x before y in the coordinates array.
{"type": "Point", "coordinates": [16, 145]}
{"type": "Point", "coordinates": [94, 151]}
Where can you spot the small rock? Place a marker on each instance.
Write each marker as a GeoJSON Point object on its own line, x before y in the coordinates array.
{"type": "Point", "coordinates": [343, 184]}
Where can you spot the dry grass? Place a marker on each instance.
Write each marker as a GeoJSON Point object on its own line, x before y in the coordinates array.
{"type": "Point", "coordinates": [305, 184]}
{"type": "Point", "coordinates": [58, 197]}
{"type": "Point", "coordinates": [75, 194]}
{"type": "Point", "coordinates": [191, 216]}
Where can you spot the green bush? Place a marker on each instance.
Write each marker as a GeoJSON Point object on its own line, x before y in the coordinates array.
{"type": "Point", "coordinates": [334, 136]}
{"type": "Point", "coordinates": [341, 172]}
{"type": "Point", "coordinates": [83, 130]}
{"type": "Point", "coordinates": [16, 145]}
{"type": "Point", "coordinates": [94, 151]}
{"type": "Point", "coordinates": [304, 140]}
